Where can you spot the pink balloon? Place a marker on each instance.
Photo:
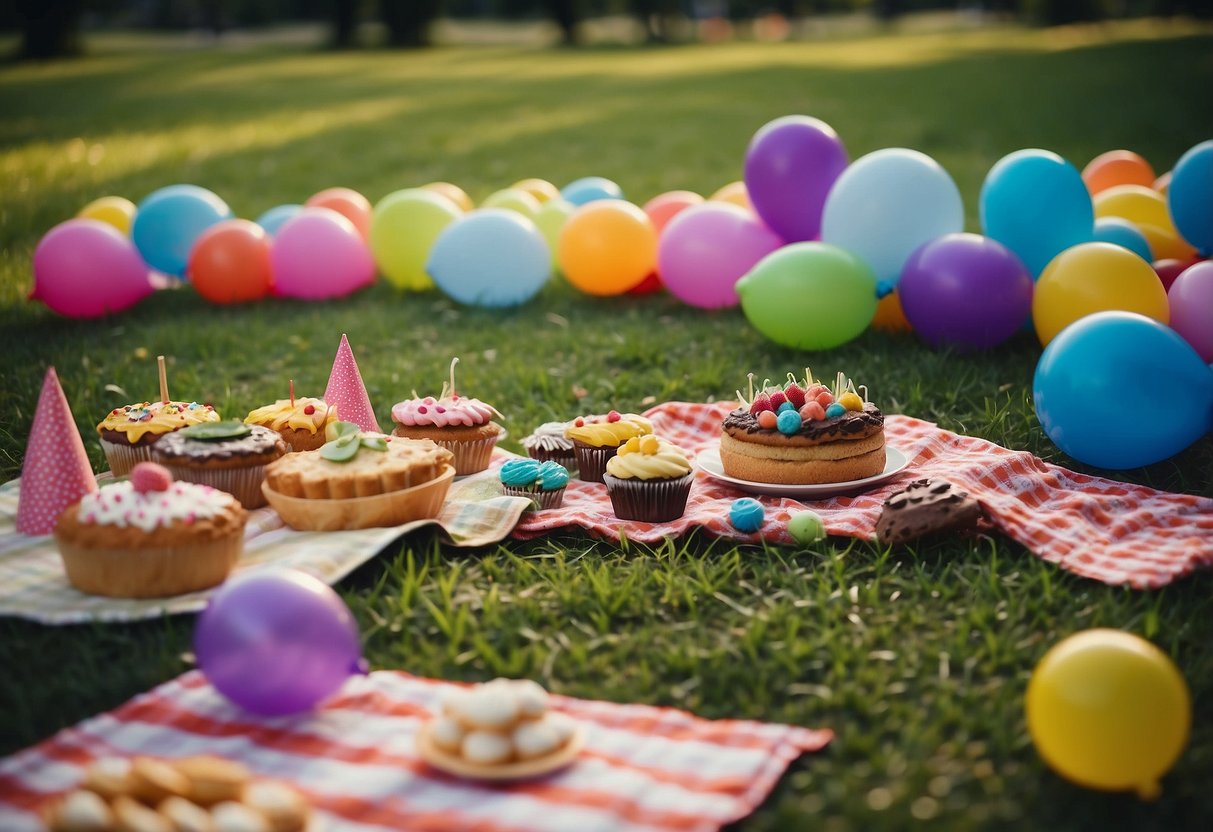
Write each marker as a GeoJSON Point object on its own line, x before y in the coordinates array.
{"type": "Point", "coordinates": [707, 248]}
{"type": "Point", "coordinates": [319, 254]}
{"type": "Point", "coordinates": [85, 268]}
{"type": "Point", "coordinates": [1191, 299]}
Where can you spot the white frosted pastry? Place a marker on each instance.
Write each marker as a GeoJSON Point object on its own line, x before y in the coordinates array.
{"type": "Point", "coordinates": [563, 724]}
{"type": "Point", "coordinates": [81, 811]}
{"type": "Point", "coordinates": [108, 777]}
{"type": "Point", "coordinates": [535, 738]}
{"type": "Point", "coordinates": [132, 816]}
{"type": "Point", "coordinates": [532, 698]}
{"type": "Point", "coordinates": [230, 816]}
{"type": "Point", "coordinates": [447, 733]}
{"type": "Point", "coordinates": [491, 707]}
{"type": "Point", "coordinates": [282, 805]}
{"type": "Point", "coordinates": [186, 816]}
{"type": "Point", "coordinates": [486, 748]}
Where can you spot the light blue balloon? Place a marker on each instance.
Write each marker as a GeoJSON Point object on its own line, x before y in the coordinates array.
{"type": "Point", "coordinates": [490, 257]}
{"type": "Point", "coordinates": [168, 221]}
{"type": "Point", "coordinates": [1119, 390]}
{"type": "Point", "coordinates": [590, 188]}
{"type": "Point", "coordinates": [1035, 203]}
{"type": "Point", "coordinates": [1190, 197]}
{"type": "Point", "coordinates": [1125, 234]}
{"type": "Point", "coordinates": [274, 218]}
{"type": "Point", "coordinates": [888, 203]}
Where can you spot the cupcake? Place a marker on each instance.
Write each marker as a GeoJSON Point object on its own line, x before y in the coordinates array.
{"type": "Point", "coordinates": [548, 442]}
{"type": "Point", "coordinates": [230, 456]}
{"type": "Point", "coordinates": [149, 537]}
{"type": "Point", "coordinates": [301, 422]}
{"type": "Point", "coordinates": [649, 479]}
{"type": "Point", "coordinates": [597, 438]}
{"type": "Point", "coordinates": [463, 426]}
{"type": "Point", "coordinates": [128, 433]}
{"type": "Point", "coordinates": [543, 482]}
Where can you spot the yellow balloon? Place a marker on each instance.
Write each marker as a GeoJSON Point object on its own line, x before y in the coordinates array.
{"type": "Point", "coordinates": [734, 192]}
{"type": "Point", "coordinates": [115, 210]}
{"type": "Point", "coordinates": [1167, 245]}
{"type": "Point", "coordinates": [1094, 277]}
{"type": "Point", "coordinates": [513, 199]}
{"type": "Point", "coordinates": [607, 247]}
{"type": "Point", "coordinates": [541, 189]}
{"type": "Point", "coordinates": [1109, 710]}
{"type": "Point", "coordinates": [1137, 204]}
{"type": "Point", "coordinates": [551, 219]}
{"type": "Point", "coordinates": [454, 193]}
{"type": "Point", "coordinates": [404, 226]}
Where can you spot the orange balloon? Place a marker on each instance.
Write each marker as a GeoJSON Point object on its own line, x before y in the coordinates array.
{"type": "Point", "coordinates": [348, 203]}
{"type": "Point", "coordinates": [664, 207]}
{"type": "Point", "coordinates": [734, 192]}
{"type": "Point", "coordinates": [230, 262]}
{"type": "Point", "coordinates": [454, 193]}
{"type": "Point", "coordinates": [889, 315]}
{"type": "Point", "coordinates": [607, 247]}
{"type": "Point", "coordinates": [1117, 167]}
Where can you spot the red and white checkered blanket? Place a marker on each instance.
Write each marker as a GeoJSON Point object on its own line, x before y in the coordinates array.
{"type": "Point", "coordinates": [1114, 532]}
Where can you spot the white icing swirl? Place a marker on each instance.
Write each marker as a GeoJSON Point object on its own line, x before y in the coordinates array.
{"type": "Point", "coordinates": [548, 437]}
{"type": "Point", "coordinates": [121, 505]}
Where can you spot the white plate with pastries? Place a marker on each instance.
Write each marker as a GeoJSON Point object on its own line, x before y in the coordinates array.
{"type": "Point", "coordinates": [895, 461]}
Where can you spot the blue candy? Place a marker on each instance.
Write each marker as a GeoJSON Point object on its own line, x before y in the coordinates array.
{"type": "Point", "coordinates": [746, 515]}
{"type": "Point", "coordinates": [786, 406]}
{"type": "Point", "coordinates": [835, 410]}
{"type": "Point", "coordinates": [788, 422]}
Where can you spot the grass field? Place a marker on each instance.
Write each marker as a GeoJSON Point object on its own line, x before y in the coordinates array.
{"type": "Point", "coordinates": [917, 658]}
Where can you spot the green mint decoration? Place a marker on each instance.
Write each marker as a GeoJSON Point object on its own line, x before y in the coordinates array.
{"type": "Point", "coordinates": [345, 438]}
{"type": "Point", "coordinates": [217, 431]}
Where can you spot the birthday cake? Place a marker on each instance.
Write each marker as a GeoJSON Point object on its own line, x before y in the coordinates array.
{"type": "Point", "coordinates": [804, 433]}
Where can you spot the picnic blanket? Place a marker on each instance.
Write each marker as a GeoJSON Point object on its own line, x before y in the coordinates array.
{"type": "Point", "coordinates": [1115, 532]}
{"type": "Point", "coordinates": [643, 769]}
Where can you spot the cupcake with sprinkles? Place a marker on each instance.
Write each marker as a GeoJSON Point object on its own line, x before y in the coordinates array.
{"type": "Point", "coordinates": [462, 425]}
{"type": "Point", "coordinates": [542, 482]}
{"type": "Point", "coordinates": [128, 433]}
{"type": "Point", "coordinates": [300, 422]}
{"type": "Point", "coordinates": [649, 480]}
{"type": "Point", "coordinates": [597, 438]}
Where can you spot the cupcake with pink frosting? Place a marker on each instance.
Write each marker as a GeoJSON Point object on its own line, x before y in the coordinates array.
{"type": "Point", "coordinates": [463, 426]}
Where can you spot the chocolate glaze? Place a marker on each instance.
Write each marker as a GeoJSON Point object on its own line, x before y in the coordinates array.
{"type": "Point", "coordinates": [851, 422]}
{"type": "Point", "coordinates": [260, 442]}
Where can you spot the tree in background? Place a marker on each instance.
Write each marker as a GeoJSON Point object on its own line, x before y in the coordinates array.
{"type": "Point", "coordinates": [345, 23]}
{"type": "Point", "coordinates": [50, 28]}
{"type": "Point", "coordinates": [408, 21]}
{"type": "Point", "coordinates": [567, 15]}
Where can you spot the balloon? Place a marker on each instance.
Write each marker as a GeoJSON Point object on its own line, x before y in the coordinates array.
{"type": "Point", "coordinates": [404, 226]}
{"type": "Point", "coordinates": [1166, 244]}
{"type": "Point", "coordinates": [607, 246]}
{"type": "Point", "coordinates": [551, 219]}
{"type": "Point", "coordinates": [273, 219]}
{"type": "Point", "coordinates": [1191, 301]}
{"type": "Point", "coordinates": [169, 220]}
{"type": "Point", "coordinates": [1169, 269]}
{"type": "Point", "coordinates": [86, 268]}
{"type": "Point", "coordinates": [887, 204]}
{"type": "Point", "coordinates": [590, 188]}
{"type": "Point", "coordinates": [809, 296]}
{"type": "Point", "coordinates": [1109, 710]}
{"type": "Point", "coordinates": [541, 189]}
{"type": "Point", "coordinates": [1091, 278]}
{"type": "Point", "coordinates": [319, 255]}
{"type": "Point", "coordinates": [1163, 183]}
{"type": "Point", "coordinates": [513, 199]}
{"type": "Point", "coordinates": [890, 317]}
{"type": "Point", "coordinates": [1116, 167]}
{"type": "Point", "coordinates": [790, 165]}
{"type": "Point", "coordinates": [1035, 203]}
{"type": "Point", "coordinates": [454, 193]}
{"type": "Point", "coordinates": [967, 290]}
{"type": "Point", "coordinates": [490, 257]}
{"type": "Point", "coordinates": [707, 248]}
{"type": "Point", "coordinates": [735, 193]}
{"type": "Point", "coordinates": [348, 203]}
{"type": "Point", "coordinates": [1190, 197]}
{"type": "Point", "coordinates": [230, 262]}
{"type": "Point", "coordinates": [116, 210]}
{"type": "Point", "coordinates": [664, 207]}
{"type": "Point", "coordinates": [651, 283]}
{"type": "Point", "coordinates": [1094, 383]}
{"type": "Point", "coordinates": [1147, 209]}
{"type": "Point", "coordinates": [1123, 233]}
{"type": "Point", "coordinates": [277, 642]}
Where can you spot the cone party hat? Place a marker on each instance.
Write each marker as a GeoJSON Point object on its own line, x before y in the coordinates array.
{"type": "Point", "coordinates": [56, 471]}
{"type": "Point", "coordinates": [346, 390]}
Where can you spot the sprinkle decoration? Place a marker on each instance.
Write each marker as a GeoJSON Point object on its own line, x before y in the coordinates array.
{"type": "Point", "coordinates": [346, 391]}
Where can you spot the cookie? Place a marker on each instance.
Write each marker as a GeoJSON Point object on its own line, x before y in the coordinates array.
{"type": "Point", "coordinates": [80, 811]}
{"type": "Point", "coordinates": [213, 779]}
{"type": "Point", "coordinates": [186, 816]}
{"type": "Point", "coordinates": [282, 806]}
{"type": "Point", "coordinates": [152, 781]}
{"type": "Point", "coordinates": [132, 816]}
{"type": "Point", "coordinates": [236, 817]}
{"type": "Point", "coordinates": [926, 507]}
{"type": "Point", "coordinates": [108, 777]}
{"type": "Point", "coordinates": [487, 748]}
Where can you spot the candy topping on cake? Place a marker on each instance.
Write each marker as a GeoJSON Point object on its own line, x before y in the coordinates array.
{"type": "Point", "coordinates": [148, 476]}
{"type": "Point", "coordinates": [797, 405]}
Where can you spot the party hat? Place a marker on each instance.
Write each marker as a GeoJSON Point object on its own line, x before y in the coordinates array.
{"type": "Point", "coordinates": [347, 392]}
{"type": "Point", "coordinates": [56, 471]}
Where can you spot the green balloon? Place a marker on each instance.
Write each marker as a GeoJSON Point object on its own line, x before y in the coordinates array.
{"type": "Point", "coordinates": [513, 199]}
{"type": "Point", "coordinates": [551, 219]}
{"type": "Point", "coordinates": [404, 226]}
{"type": "Point", "coordinates": [811, 296]}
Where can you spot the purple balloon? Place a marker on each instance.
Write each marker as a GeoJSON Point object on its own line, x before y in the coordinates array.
{"type": "Point", "coordinates": [966, 290]}
{"type": "Point", "coordinates": [707, 248]}
{"type": "Point", "coordinates": [277, 642]}
{"type": "Point", "coordinates": [789, 167]}
{"type": "Point", "coordinates": [85, 268]}
{"type": "Point", "coordinates": [318, 254]}
{"type": "Point", "coordinates": [1191, 300]}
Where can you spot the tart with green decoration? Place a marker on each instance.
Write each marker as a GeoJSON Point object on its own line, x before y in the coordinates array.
{"type": "Point", "coordinates": [228, 455]}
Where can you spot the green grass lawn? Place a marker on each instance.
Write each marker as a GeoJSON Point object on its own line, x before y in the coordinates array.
{"type": "Point", "coordinates": [917, 658]}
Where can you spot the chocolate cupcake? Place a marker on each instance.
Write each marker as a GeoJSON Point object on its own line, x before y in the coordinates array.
{"type": "Point", "coordinates": [649, 480]}
{"type": "Point", "coordinates": [128, 433]}
{"type": "Point", "coordinates": [230, 456]}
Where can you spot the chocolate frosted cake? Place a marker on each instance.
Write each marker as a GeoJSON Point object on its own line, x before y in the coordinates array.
{"type": "Point", "coordinates": [230, 456]}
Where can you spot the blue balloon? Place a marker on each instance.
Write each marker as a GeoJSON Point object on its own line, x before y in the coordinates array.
{"type": "Point", "coordinates": [590, 188]}
{"type": "Point", "coordinates": [1190, 197]}
{"type": "Point", "coordinates": [490, 257]}
{"type": "Point", "coordinates": [888, 203]}
{"type": "Point", "coordinates": [1120, 390]}
{"type": "Point", "coordinates": [1035, 203]}
{"type": "Point", "coordinates": [274, 218]}
{"type": "Point", "coordinates": [168, 221]}
{"type": "Point", "coordinates": [1125, 234]}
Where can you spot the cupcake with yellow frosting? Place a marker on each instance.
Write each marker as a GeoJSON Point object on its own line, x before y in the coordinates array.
{"type": "Point", "coordinates": [300, 422]}
{"type": "Point", "coordinates": [128, 433]}
{"type": "Point", "coordinates": [649, 479]}
{"type": "Point", "coordinates": [597, 438]}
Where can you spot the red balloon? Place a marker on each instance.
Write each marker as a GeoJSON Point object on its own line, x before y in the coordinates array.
{"type": "Point", "coordinates": [348, 203]}
{"type": "Point", "coordinates": [230, 262]}
{"type": "Point", "coordinates": [1169, 269]}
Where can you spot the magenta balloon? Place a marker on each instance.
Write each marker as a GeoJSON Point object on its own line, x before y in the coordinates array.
{"type": "Point", "coordinates": [319, 254]}
{"type": "Point", "coordinates": [277, 642]}
{"type": "Point", "coordinates": [789, 167]}
{"type": "Point", "coordinates": [966, 290]}
{"type": "Point", "coordinates": [1191, 299]}
{"type": "Point", "coordinates": [85, 268]}
{"type": "Point", "coordinates": [707, 248]}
